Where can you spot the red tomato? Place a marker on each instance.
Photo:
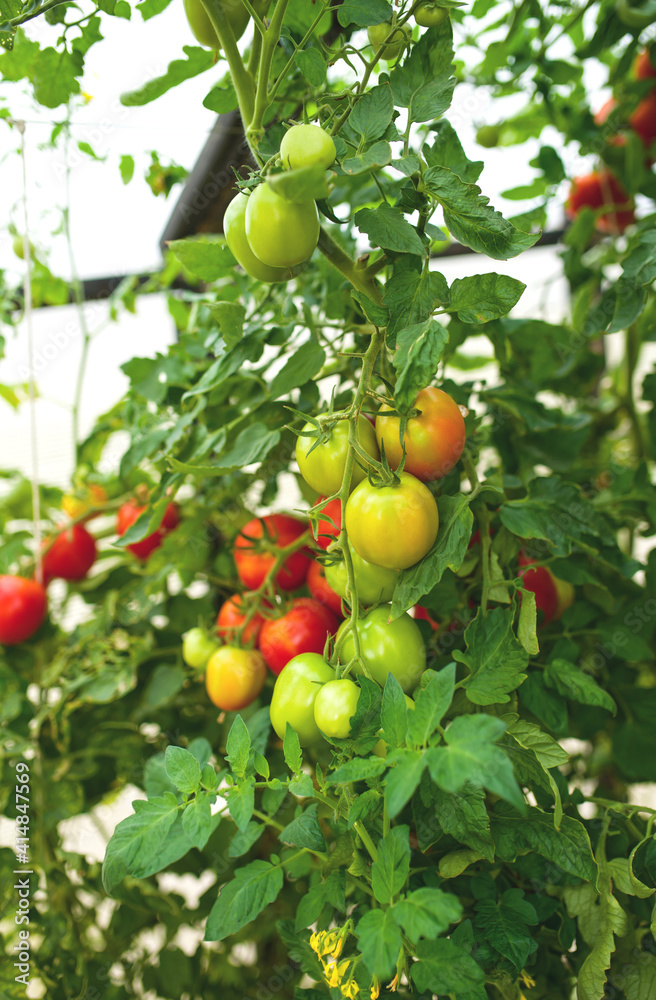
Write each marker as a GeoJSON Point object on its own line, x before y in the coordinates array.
{"type": "Point", "coordinates": [253, 562]}
{"type": "Point", "coordinates": [601, 117]}
{"type": "Point", "coordinates": [330, 523]}
{"type": "Point", "coordinates": [321, 589]}
{"type": "Point", "coordinates": [128, 514]}
{"type": "Point", "coordinates": [71, 555]}
{"type": "Point", "coordinates": [643, 119]}
{"type": "Point", "coordinates": [230, 618]}
{"type": "Point", "coordinates": [643, 67]}
{"type": "Point", "coordinates": [303, 629]}
{"type": "Point", "coordinates": [23, 606]}
{"type": "Point", "coordinates": [426, 616]}
{"type": "Point", "coordinates": [434, 440]}
{"type": "Point", "coordinates": [541, 582]}
{"type": "Point", "coordinates": [596, 190]}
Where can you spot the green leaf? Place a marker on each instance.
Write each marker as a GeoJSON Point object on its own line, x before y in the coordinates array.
{"type": "Point", "coordinates": [243, 840]}
{"type": "Point", "coordinates": [640, 982]}
{"type": "Point", "coordinates": [448, 552]}
{"type": "Point", "coordinates": [546, 749]}
{"type": "Point", "coordinates": [470, 755]}
{"type": "Point", "coordinates": [505, 925]}
{"type": "Point", "coordinates": [527, 624]}
{"type": "Point", "coordinates": [137, 840]}
{"type": "Point", "coordinates": [447, 151]}
{"type": "Point", "coordinates": [242, 900]}
{"type": "Point", "coordinates": [413, 293]}
{"type": "Point", "coordinates": [241, 802]}
{"type": "Point", "coordinates": [418, 352]}
{"type": "Point", "coordinates": [600, 918]}
{"type": "Point", "coordinates": [456, 862]}
{"type": "Point", "coordinates": [445, 968]}
{"type": "Point", "coordinates": [230, 317]}
{"type": "Point", "coordinates": [183, 769]}
{"type": "Point", "coordinates": [377, 156]}
{"type": "Point", "coordinates": [423, 82]}
{"type": "Point", "coordinates": [209, 779]}
{"type": "Point", "coordinates": [358, 769]}
{"type": "Point", "coordinates": [379, 942]}
{"type": "Point", "coordinates": [364, 12]}
{"type": "Point", "coordinates": [394, 712]}
{"type": "Point", "coordinates": [484, 297]}
{"type": "Point", "coordinates": [126, 168]}
{"type": "Point", "coordinates": [149, 8]}
{"type": "Point", "coordinates": [306, 362]}
{"type": "Point", "coordinates": [431, 704]}
{"type": "Point", "coordinates": [302, 184]}
{"type": "Point", "coordinates": [387, 228]}
{"type": "Point", "coordinates": [261, 765]}
{"type": "Point", "coordinates": [471, 219]}
{"type": "Point", "coordinates": [197, 61]}
{"type": "Point", "coordinates": [572, 682]}
{"type": "Point", "coordinates": [426, 913]}
{"type": "Point", "coordinates": [197, 821]}
{"type": "Point", "coordinates": [463, 816]}
{"type": "Point", "coordinates": [238, 747]}
{"type": "Point", "coordinates": [312, 65]}
{"type": "Point", "coordinates": [222, 99]}
{"type": "Point", "coordinates": [390, 871]}
{"type": "Point", "coordinates": [569, 847]}
{"type": "Point", "coordinates": [373, 113]}
{"type": "Point", "coordinates": [305, 831]}
{"type": "Point", "coordinates": [292, 750]}
{"type": "Point", "coordinates": [402, 779]}
{"type": "Point", "coordinates": [494, 657]}
{"type": "Point", "coordinates": [55, 75]}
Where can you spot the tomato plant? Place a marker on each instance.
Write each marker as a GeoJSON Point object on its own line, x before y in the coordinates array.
{"type": "Point", "coordinates": [392, 526]}
{"type": "Point", "coordinates": [234, 677]}
{"type": "Point", "coordinates": [322, 462]}
{"type": "Point", "coordinates": [294, 695]}
{"type": "Point", "coordinates": [401, 250]}
{"type": "Point", "coordinates": [23, 607]}
{"type": "Point", "coordinates": [304, 628]}
{"type": "Point", "coordinates": [386, 647]}
{"type": "Point", "coordinates": [433, 440]}
{"type": "Point", "coordinates": [70, 554]}
{"type": "Point", "coordinates": [256, 554]}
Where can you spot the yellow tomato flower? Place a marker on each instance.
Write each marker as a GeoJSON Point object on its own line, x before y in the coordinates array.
{"type": "Point", "coordinates": [527, 980]}
{"type": "Point", "coordinates": [375, 989]}
{"type": "Point", "coordinates": [350, 990]}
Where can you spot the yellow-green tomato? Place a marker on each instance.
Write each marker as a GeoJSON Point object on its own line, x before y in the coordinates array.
{"type": "Point", "coordinates": [386, 647]}
{"type": "Point", "coordinates": [374, 584]}
{"type": "Point", "coordinates": [197, 647]}
{"type": "Point", "coordinates": [281, 233]}
{"type": "Point", "coordinates": [392, 526]}
{"type": "Point", "coordinates": [234, 226]}
{"type": "Point", "coordinates": [323, 467]}
{"type": "Point", "coordinates": [335, 706]}
{"type": "Point", "coordinates": [398, 39]}
{"type": "Point", "coordinates": [430, 15]}
{"type": "Point", "coordinates": [295, 693]}
{"type": "Point", "coordinates": [307, 146]}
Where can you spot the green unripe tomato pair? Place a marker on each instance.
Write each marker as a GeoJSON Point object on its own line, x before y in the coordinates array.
{"type": "Point", "coordinates": [309, 697]}
{"type": "Point", "coordinates": [234, 226]}
{"type": "Point", "coordinates": [270, 236]}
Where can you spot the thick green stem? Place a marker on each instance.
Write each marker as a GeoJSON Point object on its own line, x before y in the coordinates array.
{"type": "Point", "coordinates": [358, 276]}
{"type": "Point", "coordinates": [242, 80]}
{"type": "Point", "coordinates": [255, 126]}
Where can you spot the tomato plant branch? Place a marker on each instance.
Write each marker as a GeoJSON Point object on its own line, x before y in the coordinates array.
{"type": "Point", "coordinates": [284, 75]}
{"type": "Point", "coordinates": [242, 80]}
{"type": "Point", "coordinates": [358, 277]}
{"type": "Point", "coordinates": [255, 126]}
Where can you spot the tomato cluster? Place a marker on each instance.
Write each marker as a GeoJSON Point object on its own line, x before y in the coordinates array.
{"type": "Point", "coordinates": [271, 236]}
{"type": "Point", "coordinates": [601, 189]}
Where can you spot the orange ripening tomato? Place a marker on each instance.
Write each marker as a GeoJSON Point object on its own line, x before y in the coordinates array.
{"type": "Point", "coordinates": [434, 440]}
{"type": "Point", "coordinates": [643, 67]}
{"type": "Point", "coordinates": [321, 589]}
{"type": "Point", "coordinates": [230, 618]}
{"type": "Point", "coordinates": [599, 189]}
{"type": "Point", "coordinates": [78, 503]}
{"type": "Point", "coordinates": [130, 512]}
{"type": "Point", "coordinates": [234, 677]}
{"type": "Point", "coordinates": [643, 119]}
{"type": "Point", "coordinates": [424, 615]}
{"type": "Point", "coordinates": [601, 118]}
{"type": "Point", "coordinates": [254, 561]}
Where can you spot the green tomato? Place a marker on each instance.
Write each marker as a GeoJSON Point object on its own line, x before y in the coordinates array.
{"type": "Point", "coordinates": [488, 136]}
{"type": "Point", "coordinates": [386, 647]}
{"type": "Point", "coordinates": [306, 146]}
{"type": "Point", "coordinates": [234, 226]}
{"type": "Point", "coordinates": [197, 647]}
{"type": "Point", "coordinates": [322, 467]}
{"type": "Point", "coordinates": [429, 15]}
{"type": "Point", "coordinates": [379, 32]}
{"type": "Point", "coordinates": [281, 233]}
{"type": "Point", "coordinates": [335, 706]}
{"type": "Point", "coordinates": [374, 584]}
{"type": "Point", "coordinates": [295, 693]}
{"type": "Point", "coordinates": [233, 11]}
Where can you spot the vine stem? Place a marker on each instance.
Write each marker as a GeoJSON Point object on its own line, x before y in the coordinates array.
{"type": "Point", "coordinates": [358, 276]}
{"type": "Point", "coordinates": [255, 127]}
{"type": "Point", "coordinates": [242, 80]}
